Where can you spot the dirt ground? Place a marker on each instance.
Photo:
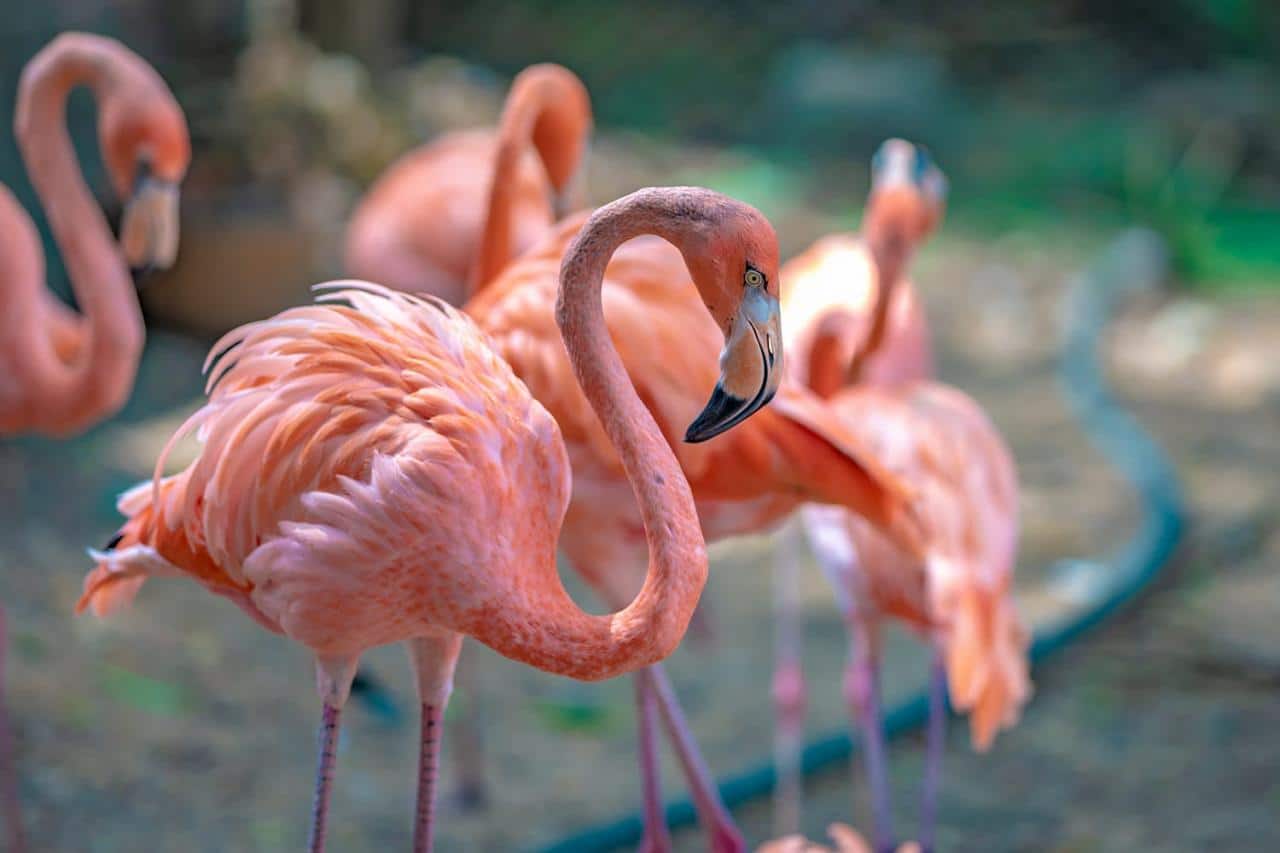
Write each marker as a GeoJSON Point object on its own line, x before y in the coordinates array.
{"type": "Point", "coordinates": [181, 726]}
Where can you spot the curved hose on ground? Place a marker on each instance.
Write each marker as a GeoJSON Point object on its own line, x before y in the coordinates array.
{"type": "Point", "coordinates": [1136, 260]}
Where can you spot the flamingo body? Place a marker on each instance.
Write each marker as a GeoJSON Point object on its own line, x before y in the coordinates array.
{"type": "Point", "coordinates": [343, 449]}
{"type": "Point", "coordinates": [419, 228]}
{"type": "Point", "coordinates": [447, 217]}
{"type": "Point", "coordinates": [940, 440]}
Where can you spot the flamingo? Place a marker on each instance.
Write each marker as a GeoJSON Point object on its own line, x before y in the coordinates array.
{"type": "Point", "coordinates": [852, 316]}
{"type": "Point", "coordinates": [874, 371]}
{"type": "Point", "coordinates": [447, 216]}
{"type": "Point", "coordinates": [959, 596]}
{"type": "Point", "coordinates": [64, 372]}
{"type": "Point", "coordinates": [792, 451]}
{"type": "Point", "coordinates": [374, 472]}
{"type": "Point", "coordinates": [61, 372]}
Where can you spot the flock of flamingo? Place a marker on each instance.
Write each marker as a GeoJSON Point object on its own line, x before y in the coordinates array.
{"type": "Point", "coordinates": [401, 461]}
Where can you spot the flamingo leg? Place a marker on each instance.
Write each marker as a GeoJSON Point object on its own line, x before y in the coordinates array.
{"type": "Point", "coordinates": [827, 529]}
{"type": "Point", "coordinates": [789, 692]}
{"type": "Point", "coordinates": [8, 778]}
{"type": "Point", "coordinates": [434, 660]}
{"type": "Point", "coordinates": [466, 732]}
{"type": "Point", "coordinates": [328, 738]}
{"type": "Point", "coordinates": [657, 838]}
{"type": "Point", "coordinates": [724, 836]}
{"type": "Point", "coordinates": [935, 745]}
{"type": "Point", "coordinates": [862, 692]}
{"type": "Point", "coordinates": [333, 680]}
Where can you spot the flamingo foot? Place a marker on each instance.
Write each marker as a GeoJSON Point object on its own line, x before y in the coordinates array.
{"type": "Point", "coordinates": [328, 760]}
{"type": "Point", "coordinates": [862, 693]}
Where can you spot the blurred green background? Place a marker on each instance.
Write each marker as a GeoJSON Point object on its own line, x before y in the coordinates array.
{"type": "Point", "coordinates": [1077, 115]}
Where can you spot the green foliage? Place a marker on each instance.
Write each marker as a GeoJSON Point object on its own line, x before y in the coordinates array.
{"type": "Point", "coordinates": [141, 692]}
{"type": "Point", "coordinates": [577, 715]}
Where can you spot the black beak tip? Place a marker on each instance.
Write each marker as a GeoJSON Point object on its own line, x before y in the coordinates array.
{"type": "Point", "coordinates": [723, 410]}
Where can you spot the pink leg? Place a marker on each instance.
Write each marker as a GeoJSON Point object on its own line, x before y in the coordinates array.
{"type": "Point", "coordinates": [657, 838]}
{"type": "Point", "coordinates": [428, 770]}
{"type": "Point", "coordinates": [324, 775]}
{"type": "Point", "coordinates": [862, 692]}
{"type": "Point", "coordinates": [434, 660]}
{"type": "Point", "coordinates": [789, 691]}
{"type": "Point", "coordinates": [935, 745]}
{"type": "Point", "coordinates": [8, 778]}
{"type": "Point", "coordinates": [724, 836]}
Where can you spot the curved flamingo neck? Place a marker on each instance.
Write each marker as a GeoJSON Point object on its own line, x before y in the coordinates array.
{"type": "Point", "coordinates": [829, 361]}
{"type": "Point", "coordinates": [103, 374]}
{"type": "Point", "coordinates": [659, 615]}
{"type": "Point", "coordinates": [534, 97]}
{"type": "Point", "coordinates": [890, 252]}
{"type": "Point", "coordinates": [552, 632]}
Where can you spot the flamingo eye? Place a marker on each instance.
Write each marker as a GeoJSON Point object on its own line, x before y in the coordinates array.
{"type": "Point", "coordinates": [754, 278]}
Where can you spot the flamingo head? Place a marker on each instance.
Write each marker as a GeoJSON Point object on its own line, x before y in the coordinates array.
{"type": "Point", "coordinates": [146, 150]}
{"type": "Point", "coordinates": [908, 192]}
{"type": "Point", "coordinates": [735, 268]}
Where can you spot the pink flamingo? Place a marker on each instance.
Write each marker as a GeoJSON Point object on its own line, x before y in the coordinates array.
{"type": "Point", "coordinates": [375, 473]}
{"type": "Point", "coordinates": [445, 218]}
{"type": "Point", "coordinates": [960, 595]}
{"type": "Point", "coordinates": [68, 372]}
{"type": "Point", "coordinates": [792, 451]}
{"type": "Point", "coordinates": [940, 442]}
{"type": "Point", "coordinates": [61, 372]}
{"type": "Point", "coordinates": [852, 316]}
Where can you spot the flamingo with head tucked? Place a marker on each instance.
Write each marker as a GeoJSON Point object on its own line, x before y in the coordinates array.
{"type": "Point", "coordinates": [445, 218]}
{"type": "Point", "coordinates": [374, 472]}
{"type": "Point", "coordinates": [61, 371]}
{"type": "Point", "coordinates": [744, 480]}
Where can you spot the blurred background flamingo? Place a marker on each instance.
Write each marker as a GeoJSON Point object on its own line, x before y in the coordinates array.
{"type": "Point", "coordinates": [445, 218]}
{"type": "Point", "coordinates": [64, 371]}
{"type": "Point", "coordinates": [853, 318]}
{"type": "Point", "coordinates": [941, 443]}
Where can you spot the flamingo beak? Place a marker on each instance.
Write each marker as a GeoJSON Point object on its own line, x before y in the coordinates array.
{"type": "Point", "coordinates": [750, 368]}
{"type": "Point", "coordinates": [149, 228]}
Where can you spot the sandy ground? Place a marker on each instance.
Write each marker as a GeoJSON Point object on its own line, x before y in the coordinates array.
{"type": "Point", "coordinates": [181, 726]}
